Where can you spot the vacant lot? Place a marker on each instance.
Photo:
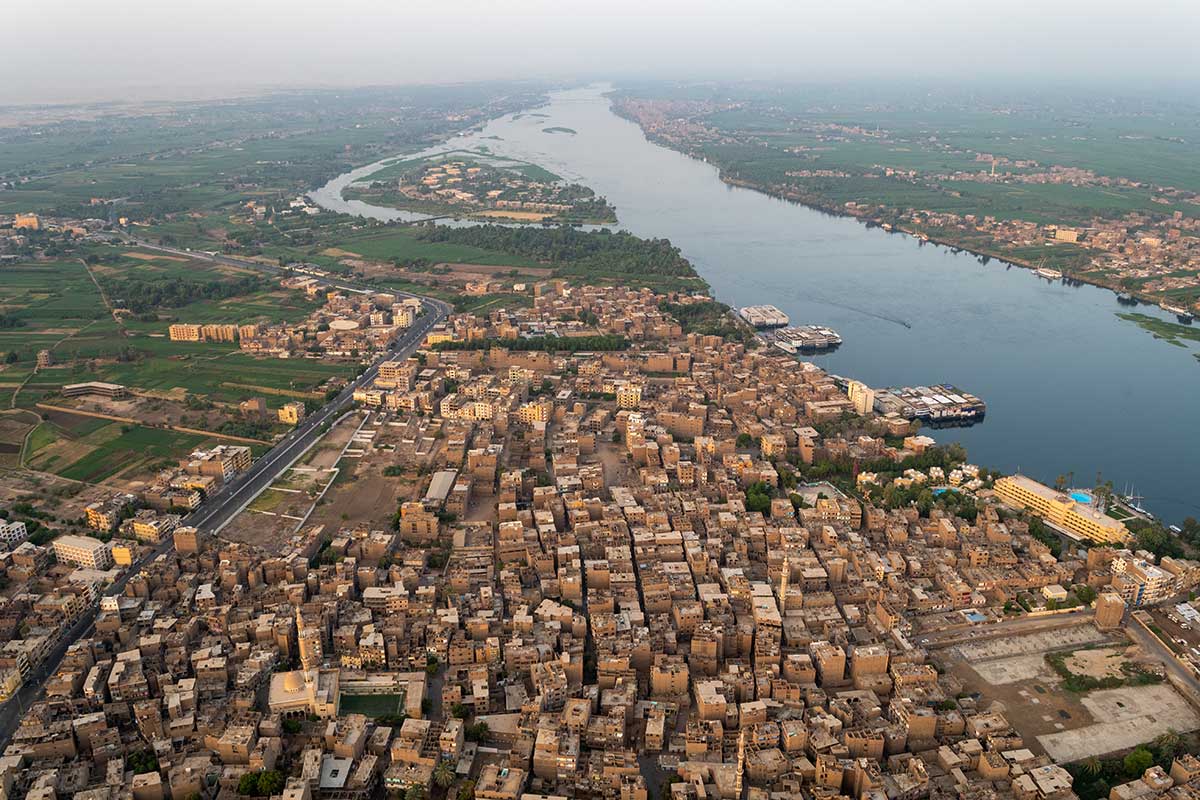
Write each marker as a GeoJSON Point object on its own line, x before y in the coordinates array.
{"type": "Point", "coordinates": [1122, 718]}
{"type": "Point", "coordinates": [1012, 674]}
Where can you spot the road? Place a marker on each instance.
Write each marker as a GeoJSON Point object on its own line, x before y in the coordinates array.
{"type": "Point", "coordinates": [216, 511]}
{"type": "Point", "coordinates": [1182, 677]}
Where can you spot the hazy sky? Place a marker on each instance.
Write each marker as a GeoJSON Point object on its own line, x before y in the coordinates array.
{"type": "Point", "coordinates": [76, 49]}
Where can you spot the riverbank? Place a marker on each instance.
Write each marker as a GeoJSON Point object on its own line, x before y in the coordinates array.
{"type": "Point", "coordinates": [1040, 353]}
{"type": "Point", "coordinates": [917, 233]}
{"type": "Point", "coordinates": [817, 203]}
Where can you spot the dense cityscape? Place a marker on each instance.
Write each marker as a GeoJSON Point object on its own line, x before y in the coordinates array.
{"type": "Point", "coordinates": [352, 450]}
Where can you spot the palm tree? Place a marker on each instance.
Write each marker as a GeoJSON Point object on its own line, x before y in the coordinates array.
{"type": "Point", "coordinates": [443, 773]}
{"type": "Point", "coordinates": [466, 791]}
{"type": "Point", "coordinates": [1091, 766]}
{"type": "Point", "coordinates": [1165, 744]}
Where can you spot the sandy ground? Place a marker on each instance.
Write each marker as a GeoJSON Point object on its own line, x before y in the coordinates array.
{"type": "Point", "coordinates": [1098, 664]}
{"type": "Point", "coordinates": [1122, 718]}
{"type": "Point", "coordinates": [524, 216]}
{"type": "Point", "coordinates": [153, 256]}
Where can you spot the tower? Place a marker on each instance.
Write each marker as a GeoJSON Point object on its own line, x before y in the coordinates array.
{"type": "Point", "coordinates": [783, 585]}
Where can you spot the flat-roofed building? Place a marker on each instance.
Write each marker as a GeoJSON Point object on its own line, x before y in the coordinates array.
{"type": "Point", "coordinates": [114, 391]}
{"type": "Point", "coordinates": [1061, 510]}
{"type": "Point", "coordinates": [83, 551]}
{"type": "Point", "coordinates": [185, 332]}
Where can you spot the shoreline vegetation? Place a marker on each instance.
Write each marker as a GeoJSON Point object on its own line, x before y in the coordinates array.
{"type": "Point", "coordinates": [1066, 263]}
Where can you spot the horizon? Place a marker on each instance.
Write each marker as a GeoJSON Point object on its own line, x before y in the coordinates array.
{"type": "Point", "coordinates": [72, 53]}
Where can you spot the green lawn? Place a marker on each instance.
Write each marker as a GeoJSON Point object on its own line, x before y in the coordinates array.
{"type": "Point", "coordinates": [372, 705]}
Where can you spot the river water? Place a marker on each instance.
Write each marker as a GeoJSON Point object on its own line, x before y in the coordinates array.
{"type": "Point", "coordinates": [1070, 387]}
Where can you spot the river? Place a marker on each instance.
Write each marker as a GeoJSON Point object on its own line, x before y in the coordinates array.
{"type": "Point", "coordinates": [1070, 387]}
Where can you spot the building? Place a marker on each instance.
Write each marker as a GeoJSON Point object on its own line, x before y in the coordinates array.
{"type": "Point", "coordinates": [113, 391]}
{"type": "Point", "coordinates": [106, 515]}
{"type": "Point", "coordinates": [83, 551]}
{"type": "Point", "coordinates": [291, 413]}
{"type": "Point", "coordinates": [12, 533]}
{"type": "Point", "coordinates": [45, 359]}
{"type": "Point", "coordinates": [223, 332]}
{"type": "Point", "coordinates": [1110, 610]}
{"type": "Point", "coordinates": [28, 222]}
{"type": "Point", "coordinates": [629, 395]}
{"type": "Point", "coordinates": [862, 396]}
{"type": "Point", "coordinates": [187, 539]}
{"type": "Point", "coordinates": [186, 332]}
{"type": "Point", "coordinates": [1061, 510]}
{"type": "Point", "coordinates": [223, 461]}
{"type": "Point", "coordinates": [499, 783]}
{"type": "Point", "coordinates": [1139, 582]}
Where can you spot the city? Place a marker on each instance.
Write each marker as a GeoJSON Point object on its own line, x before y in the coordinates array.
{"type": "Point", "coordinates": [498, 437]}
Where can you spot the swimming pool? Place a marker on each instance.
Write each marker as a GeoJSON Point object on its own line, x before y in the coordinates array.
{"type": "Point", "coordinates": [1082, 497]}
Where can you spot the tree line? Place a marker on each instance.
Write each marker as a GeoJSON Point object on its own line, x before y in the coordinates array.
{"type": "Point", "coordinates": [599, 251]}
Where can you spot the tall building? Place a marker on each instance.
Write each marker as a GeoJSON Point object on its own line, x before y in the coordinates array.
{"type": "Point", "coordinates": [45, 359]}
{"type": "Point", "coordinates": [862, 396]}
{"type": "Point", "coordinates": [1110, 610]}
{"type": "Point", "coordinates": [1061, 510]}
{"type": "Point", "coordinates": [629, 396]}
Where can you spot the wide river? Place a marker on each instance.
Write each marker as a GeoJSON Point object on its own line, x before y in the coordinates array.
{"type": "Point", "coordinates": [1070, 387]}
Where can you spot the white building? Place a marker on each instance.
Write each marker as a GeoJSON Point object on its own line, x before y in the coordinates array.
{"type": "Point", "coordinates": [12, 533]}
{"type": "Point", "coordinates": [83, 551]}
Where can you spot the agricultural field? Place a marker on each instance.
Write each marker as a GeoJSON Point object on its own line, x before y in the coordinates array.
{"type": "Point", "coordinates": [97, 451]}
{"type": "Point", "coordinates": [56, 306]}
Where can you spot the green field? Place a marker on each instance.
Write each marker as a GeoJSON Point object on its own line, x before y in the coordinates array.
{"type": "Point", "coordinates": [372, 705]}
{"type": "Point", "coordinates": [59, 308]}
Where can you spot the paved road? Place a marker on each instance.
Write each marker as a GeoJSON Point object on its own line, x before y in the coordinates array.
{"type": "Point", "coordinates": [223, 506]}
{"type": "Point", "coordinates": [1019, 625]}
{"type": "Point", "coordinates": [1182, 677]}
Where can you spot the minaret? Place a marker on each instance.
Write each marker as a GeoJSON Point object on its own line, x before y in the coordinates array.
{"type": "Point", "coordinates": [783, 583]}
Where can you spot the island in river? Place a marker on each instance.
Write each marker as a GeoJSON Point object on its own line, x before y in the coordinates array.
{"type": "Point", "coordinates": [477, 185]}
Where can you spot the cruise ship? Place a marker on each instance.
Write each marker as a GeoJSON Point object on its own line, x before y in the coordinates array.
{"type": "Point", "coordinates": [1178, 311]}
{"type": "Point", "coordinates": [806, 338]}
{"type": "Point", "coordinates": [941, 403]}
{"type": "Point", "coordinates": [1048, 274]}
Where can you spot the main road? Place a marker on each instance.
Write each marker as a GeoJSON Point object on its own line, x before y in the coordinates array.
{"type": "Point", "coordinates": [217, 510]}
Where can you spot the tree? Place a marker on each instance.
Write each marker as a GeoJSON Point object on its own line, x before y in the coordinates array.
{"type": "Point", "coordinates": [443, 773]}
{"type": "Point", "coordinates": [1091, 766]}
{"type": "Point", "coordinates": [416, 792]}
{"type": "Point", "coordinates": [477, 732]}
{"type": "Point", "coordinates": [466, 791]}
{"type": "Point", "coordinates": [744, 440]}
{"type": "Point", "coordinates": [1137, 761]}
{"type": "Point", "coordinates": [1086, 594]}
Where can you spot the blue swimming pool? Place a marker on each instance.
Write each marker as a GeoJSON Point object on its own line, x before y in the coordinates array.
{"type": "Point", "coordinates": [1081, 497]}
